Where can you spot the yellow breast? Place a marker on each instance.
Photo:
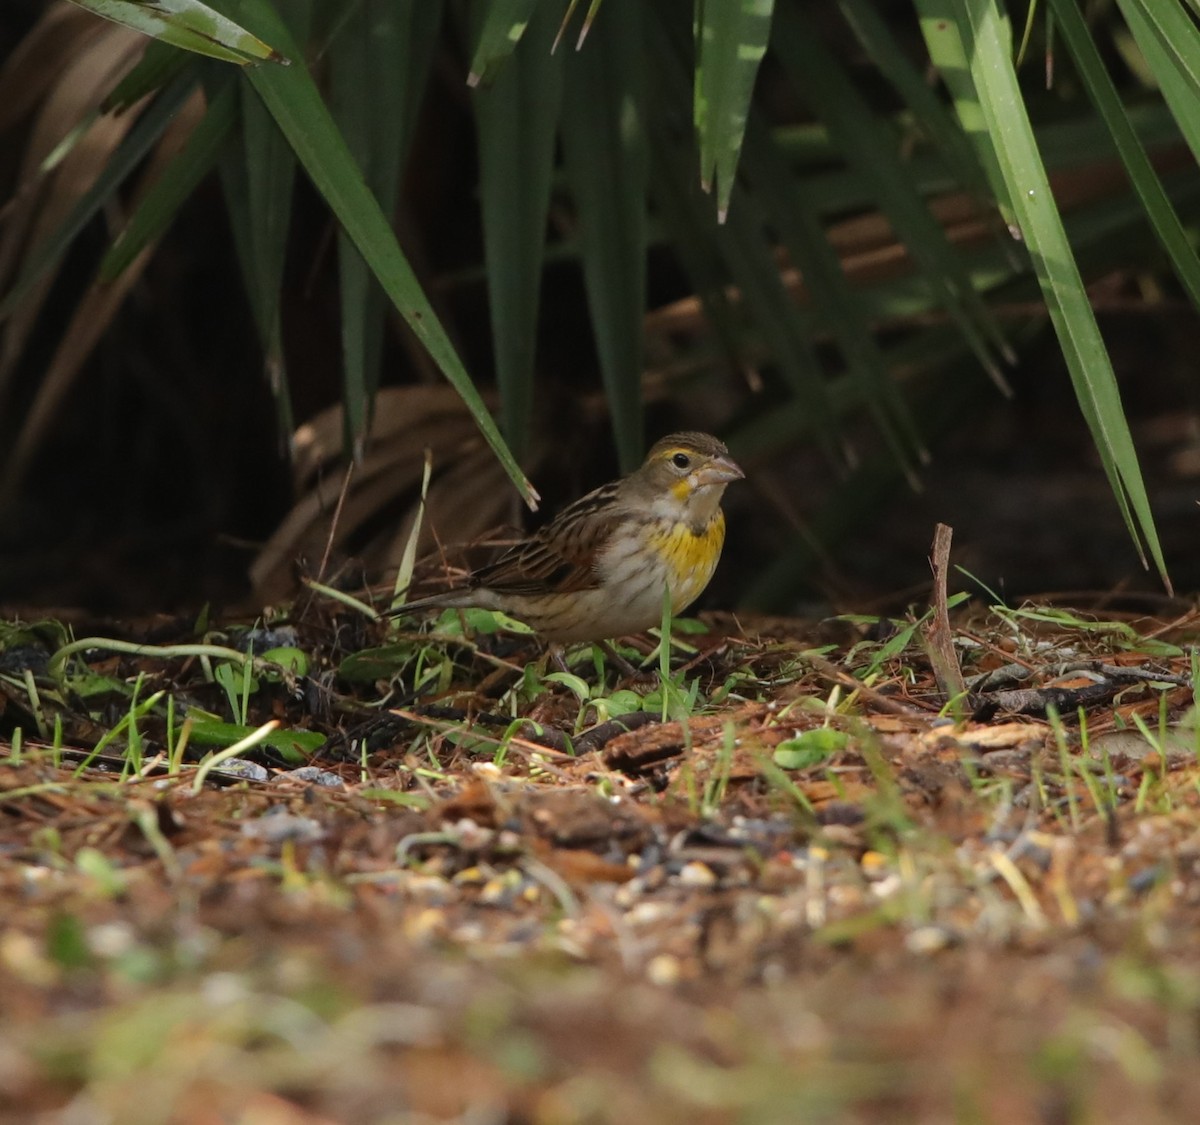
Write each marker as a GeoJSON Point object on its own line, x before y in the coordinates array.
{"type": "Point", "coordinates": [690, 557]}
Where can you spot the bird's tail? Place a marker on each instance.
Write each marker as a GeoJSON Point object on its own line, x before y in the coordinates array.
{"type": "Point", "coordinates": [451, 599]}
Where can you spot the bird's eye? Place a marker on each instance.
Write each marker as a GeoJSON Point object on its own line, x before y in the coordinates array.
{"type": "Point", "coordinates": [681, 461]}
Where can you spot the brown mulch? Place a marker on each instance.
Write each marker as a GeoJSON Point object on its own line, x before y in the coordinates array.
{"type": "Point", "coordinates": [941, 916]}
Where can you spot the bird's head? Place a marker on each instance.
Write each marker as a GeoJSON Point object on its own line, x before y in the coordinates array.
{"type": "Point", "coordinates": [688, 470]}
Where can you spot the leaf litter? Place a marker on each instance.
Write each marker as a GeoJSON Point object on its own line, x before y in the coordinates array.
{"type": "Point", "coordinates": [799, 882]}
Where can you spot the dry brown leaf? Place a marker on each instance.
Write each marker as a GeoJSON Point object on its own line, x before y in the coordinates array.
{"type": "Point", "coordinates": [1001, 736]}
{"type": "Point", "coordinates": [36, 62]}
{"type": "Point", "coordinates": [468, 496]}
{"type": "Point", "coordinates": [43, 200]}
{"type": "Point", "coordinates": [399, 411]}
{"type": "Point", "coordinates": [93, 314]}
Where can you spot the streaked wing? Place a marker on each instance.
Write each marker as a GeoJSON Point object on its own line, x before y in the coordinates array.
{"type": "Point", "coordinates": [561, 557]}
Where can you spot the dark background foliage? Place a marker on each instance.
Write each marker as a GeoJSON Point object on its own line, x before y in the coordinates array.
{"type": "Point", "coordinates": [165, 468]}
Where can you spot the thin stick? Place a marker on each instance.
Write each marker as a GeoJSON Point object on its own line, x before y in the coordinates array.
{"type": "Point", "coordinates": [337, 516]}
{"type": "Point", "coordinates": [939, 641]}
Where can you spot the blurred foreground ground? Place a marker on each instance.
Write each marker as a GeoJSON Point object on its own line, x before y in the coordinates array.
{"type": "Point", "coordinates": [802, 901]}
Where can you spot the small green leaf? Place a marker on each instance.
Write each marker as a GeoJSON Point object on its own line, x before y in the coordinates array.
{"type": "Point", "coordinates": [396, 797]}
{"type": "Point", "coordinates": [66, 942]}
{"type": "Point", "coordinates": [232, 678]}
{"type": "Point", "coordinates": [810, 748]}
{"type": "Point", "coordinates": [569, 680]}
{"type": "Point", "coordinates": [621, 702]}
{"type": "Point", "coordinates": [1173, 56]}
{"type": "Point", "coordinates": [88, 685]}
{"type": "Point", "coordinates": [293, 745]}
{"type": "Point", "coordinates": [107, 876]}
{"type": "Point", "coordinates": [486, 621]}
{"type": "Point", "coordinates": [371, 664]}
{"type": "Point", "coordinates": [294, 660]}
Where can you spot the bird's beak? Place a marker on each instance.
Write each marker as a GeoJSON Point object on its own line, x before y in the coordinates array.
{"type": "Point", "coordinates": [720, 470]}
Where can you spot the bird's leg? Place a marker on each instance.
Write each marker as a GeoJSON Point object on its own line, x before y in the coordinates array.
{"type": "Point", "coordinates": [626, 669]}
{"type": "Point", "coordinates": [555, 653]}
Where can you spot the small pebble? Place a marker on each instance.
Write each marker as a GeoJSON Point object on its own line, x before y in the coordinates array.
{"type": "Point", "coordinates": [429, 888]}
{"type": "Point", "coordinates": [647, 913]}
{"type": "Point", "coordinates": [928, 939]}
{"type": "Point", "coordinates": [697, 874]}
{"type": "Point", "coordinates": [627, 894]}
{"type": "Point", "coordinates": [887, 886]}
{"type": "Point", "coordinates": [468, 933]}
{"type": "Point", "coordinates": [111, 939]}
{"type": "Point", "coordinates": [664, 970]}
{"type": "Point", "coordinates": [1148, 878]}
{"type": "Point", "coordinates": [316, 775]}
{"type": "Point", "coordinates": [278, 825]}
{"type": "Point", "coordinates": [471, 835]}
{"type": "Point", "coordinates": [426, 926]}
{"type": "Point", "coordinates": [509, 841]}
{"type": "Point", "coordinates": [241, 767]}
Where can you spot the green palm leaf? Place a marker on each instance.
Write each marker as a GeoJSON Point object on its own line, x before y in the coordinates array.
{"type": "Point", "coordinates": [975, 30]}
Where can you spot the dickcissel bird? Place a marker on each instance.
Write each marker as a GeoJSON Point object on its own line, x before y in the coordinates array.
{"type": "Point", "coordinates": [599, 569]}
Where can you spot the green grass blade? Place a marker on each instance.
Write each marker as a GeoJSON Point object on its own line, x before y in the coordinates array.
{"type": "Point", "coordinates": [517, 116]}
{"type": "Point", "coordinates": [947, 54]}
{"type": "Point", "coordinates": [295, 103]}
{"type": "Point", "coordinates": [1175, 32]}
{"type": "Point", "coordinates": [787, 335]}
{"type": "Point", "coordinates": [835, 303]}
{"type": "Point", "coordinates": [270, 181]}
{"type": "Point", "coordinates": [686, 236]}
{"type": "Point", "coordinates": [232, 172]}
{"type": "Point", "coordinates": [607, 165]}
{"type": "Point", "coordinates": [1163, 217]}
{"type": "Point", "coordinates": [160, 204]}
{"type": "Point", "coordinates": [987, 47]}
{"type": "Point", "coordinates": [745, 253]}
{"type": "Point", "coordinates": [867, 142]}
{"type": "Point", "coordinates": [1174, 60]}
{"type": "Point", "coordinates": [731, 39]}
{"type": "Point", "coordinates": [504, 23]}
{"type": "Point", "coordinates": [688, 231]}
{"type": "Point", "coordinates": [932, 116]}
{"type": "Point", "coordinates": [379, 64]}
{"type": "Point", "coordinates": [187, 24]}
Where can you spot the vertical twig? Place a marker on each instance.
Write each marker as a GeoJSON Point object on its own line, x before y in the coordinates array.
{"type": "Point", "coordinates": [939, 643]}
